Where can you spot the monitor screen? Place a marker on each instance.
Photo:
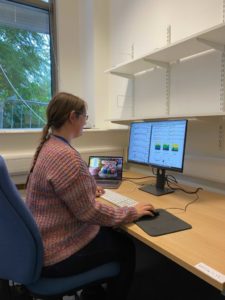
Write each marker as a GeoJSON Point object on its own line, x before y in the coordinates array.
{"type": "Point", "coordinates": [160, 144]}
{"type": "Point", "coordinates": [167, 144]}
{"type": "Point", "coordinates": [138, 151]}
{"type": "Point", "coordinates": [106, 167]}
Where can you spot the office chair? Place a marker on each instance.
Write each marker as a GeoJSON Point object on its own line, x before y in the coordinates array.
{"type": "Point", "coordinates": [21, 251]}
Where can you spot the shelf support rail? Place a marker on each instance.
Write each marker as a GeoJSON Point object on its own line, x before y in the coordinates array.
{"type": "Point", "coordinates": [168, 82]}
{"type": "Point", "coordinates": [222, 83]}
{"type": "Point", "coordinates": [223, 22]}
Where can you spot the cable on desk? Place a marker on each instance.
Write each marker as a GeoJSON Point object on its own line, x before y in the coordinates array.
{"type": "Point", "coordinates": [170, 179]}
{"type": "Point", "coordinates": [186, 206]}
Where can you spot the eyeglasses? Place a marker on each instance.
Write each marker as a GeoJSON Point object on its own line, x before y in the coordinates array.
{"type": "Point", "coordinates": [82, 114]}
{"type": "Point", "coordinates": [86, 116]}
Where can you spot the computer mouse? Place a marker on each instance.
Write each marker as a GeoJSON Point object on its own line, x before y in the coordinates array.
{"type": "Point", "coordinates": [148, 217]}
{"type": "Point", "coordinates": [155, 213]}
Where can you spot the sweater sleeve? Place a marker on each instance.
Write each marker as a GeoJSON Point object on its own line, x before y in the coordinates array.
{"type": "Point", "coordinates": [72, 182]}
{"type": "Point", "coordinates": [80, 199]}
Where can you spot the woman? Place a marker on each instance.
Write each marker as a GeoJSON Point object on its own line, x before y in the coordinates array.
{"type": "Point", "coordinates": [61, 193]}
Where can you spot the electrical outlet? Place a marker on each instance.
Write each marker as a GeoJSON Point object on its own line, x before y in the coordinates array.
{"type": "Point", "coordinates": [211, 272]}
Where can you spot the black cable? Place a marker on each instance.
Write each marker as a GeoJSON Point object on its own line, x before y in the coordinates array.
{"type": "Point", "coordinates": [181, 189]}
{"type": "Point", "coordinates": [170, 179]}
{"type": "Point", "coordinates": [186, 206]}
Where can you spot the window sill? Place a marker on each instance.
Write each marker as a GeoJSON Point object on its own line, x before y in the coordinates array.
{"type": "Point", "coordinates": [38, 130]}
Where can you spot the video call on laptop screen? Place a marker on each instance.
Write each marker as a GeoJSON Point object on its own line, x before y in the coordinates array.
{"type": "Point", "coordinates": [102, 167]}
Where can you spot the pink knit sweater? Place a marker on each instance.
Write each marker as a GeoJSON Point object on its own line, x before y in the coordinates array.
{"type": "Point", "coordinates": [61, 197]}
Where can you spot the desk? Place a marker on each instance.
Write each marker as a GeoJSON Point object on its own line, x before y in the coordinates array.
{"type": "Point", "coordinates": [205, 242]}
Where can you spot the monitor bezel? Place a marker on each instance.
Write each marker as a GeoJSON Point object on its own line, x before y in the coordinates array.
{"type": "Point", "coordinates": [180, 170]}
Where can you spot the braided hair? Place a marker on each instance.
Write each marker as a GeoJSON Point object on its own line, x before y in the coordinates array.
{"type": "Point", "coordinates": [58, 112]}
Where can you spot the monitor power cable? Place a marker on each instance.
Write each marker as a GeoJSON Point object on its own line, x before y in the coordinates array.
{"type": "Point", "coordinates": [171, 180]}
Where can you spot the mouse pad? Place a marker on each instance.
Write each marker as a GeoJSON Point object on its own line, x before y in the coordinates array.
{"type": "Point", "coordinates": [162, 224]}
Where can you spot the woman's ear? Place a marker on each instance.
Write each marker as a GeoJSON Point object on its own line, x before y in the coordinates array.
{"type": "Point", "coordinates": [72, 116]}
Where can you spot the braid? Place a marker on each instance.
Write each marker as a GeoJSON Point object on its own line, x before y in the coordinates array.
{"type": "Point", "coordinates": [58, 111]}
{"type": "Point", "coordinates": [44, 138]}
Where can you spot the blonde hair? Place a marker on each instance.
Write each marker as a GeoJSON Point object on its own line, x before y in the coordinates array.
{"type": "Point", "coordinates": [58, 111]}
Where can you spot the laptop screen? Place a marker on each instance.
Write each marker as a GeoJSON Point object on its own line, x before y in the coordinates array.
{"type": "Point", "coordinates": [106, 167]}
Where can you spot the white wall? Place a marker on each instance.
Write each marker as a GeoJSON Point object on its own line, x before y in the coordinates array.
{"type": "Point", "coordinates": [143, 25]}
{"type": "Point", "coordinates": [82, 27]}
{"type": "Point", "coordinates": [139, 27]}
{"type": "Point", "coordinates": [94, 35]}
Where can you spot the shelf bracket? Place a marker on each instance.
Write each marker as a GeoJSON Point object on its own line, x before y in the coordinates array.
{"type": "Point", "coordinates": [129, 76]}
{"type": "Point", "coordinates": [157, 63]}
{"type": "Point", "coordinates": [211, 44]}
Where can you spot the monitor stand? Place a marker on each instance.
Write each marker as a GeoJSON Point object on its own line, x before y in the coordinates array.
{"type": "Point", "coordinates": [152, 189]}
{"type": "Point", "coordinates": [159, 188]}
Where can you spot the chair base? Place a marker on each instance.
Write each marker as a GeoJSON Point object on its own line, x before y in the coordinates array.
{"type": "Point", "coordinates": [19, 292]}
{"type": "Point", "coordinates": [5, 290]}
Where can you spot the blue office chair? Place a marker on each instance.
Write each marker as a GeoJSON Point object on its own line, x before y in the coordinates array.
{"type": "Point", "coordinates": [21, 250]}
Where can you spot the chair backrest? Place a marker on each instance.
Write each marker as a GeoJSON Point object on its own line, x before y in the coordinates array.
{"type": "Point", "coordinates": [21, 248]}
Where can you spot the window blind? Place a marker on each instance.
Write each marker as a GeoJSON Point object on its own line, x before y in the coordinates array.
{"type": "Point", "coordinates": [23, 17]}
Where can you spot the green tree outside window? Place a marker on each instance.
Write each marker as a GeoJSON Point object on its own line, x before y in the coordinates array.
{"type": "Point", "coordinates": [25, 77]}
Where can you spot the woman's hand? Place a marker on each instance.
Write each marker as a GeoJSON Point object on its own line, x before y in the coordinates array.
{"type": "Point", "coordinates": [99, 191]}
{"type": "Point", "coordinates": [144, 209]}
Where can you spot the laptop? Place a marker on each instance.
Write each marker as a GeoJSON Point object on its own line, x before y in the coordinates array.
{"type": "Point", "coordinates": [107, 170]}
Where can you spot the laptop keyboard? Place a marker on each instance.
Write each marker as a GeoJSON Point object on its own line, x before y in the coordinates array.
{"type": "Point", "coordinates": [118, 199]}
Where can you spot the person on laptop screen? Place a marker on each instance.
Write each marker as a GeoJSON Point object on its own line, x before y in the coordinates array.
{"type": "Point", "coordinates": [107, 170]}
{"type": "Point", "coordinates": [61, 194]}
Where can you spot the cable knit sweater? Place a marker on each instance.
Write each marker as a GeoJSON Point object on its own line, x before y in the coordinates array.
{"type": "Point", "coordinates": [61, 197]}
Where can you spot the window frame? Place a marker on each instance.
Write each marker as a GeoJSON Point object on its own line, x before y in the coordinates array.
{"type": "Point", "coordinates": [35, 3]}
{"type": "Point", "coordinates": [51, 8]}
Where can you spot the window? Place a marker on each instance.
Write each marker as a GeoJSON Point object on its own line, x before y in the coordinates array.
{"type": "Point", "coordinates": [26, 80]}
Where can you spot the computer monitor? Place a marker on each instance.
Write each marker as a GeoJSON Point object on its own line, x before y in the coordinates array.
{"type": "Point", "coordinates": [139, 142]}
{"type": "Point", "coordinates": [165, 142]}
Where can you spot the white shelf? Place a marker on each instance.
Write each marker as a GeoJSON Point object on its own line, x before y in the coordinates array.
{"type": "Point", "coordinates": [213, 38]}
{"type": "Point", "coordinates": [127, 121]}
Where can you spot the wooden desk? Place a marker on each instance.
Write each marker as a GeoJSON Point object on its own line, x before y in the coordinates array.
{"type": "Point", "coordinates": [205, 242]}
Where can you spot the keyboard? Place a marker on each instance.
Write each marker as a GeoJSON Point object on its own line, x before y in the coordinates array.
{"type": "Point", "coordinates": [118, 199]}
